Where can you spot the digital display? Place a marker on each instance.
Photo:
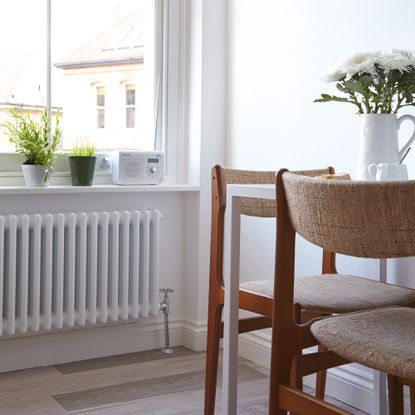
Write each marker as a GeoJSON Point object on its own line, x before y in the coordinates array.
{"type": "Point", "coordinates": [153, 160]}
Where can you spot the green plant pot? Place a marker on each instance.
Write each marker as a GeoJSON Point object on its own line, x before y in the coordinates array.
{"type": "Point", "coordinates": [82, 170]}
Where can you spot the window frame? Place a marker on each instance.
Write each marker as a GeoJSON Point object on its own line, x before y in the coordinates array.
{"type": "Point", "coordinates": [171, 44]}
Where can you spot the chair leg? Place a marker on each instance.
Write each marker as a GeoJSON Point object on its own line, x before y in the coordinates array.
{"type": "Point", "coordinates": [297, 365]}
{"type": "Point", "coordinates": [297, 373]}
{"type": "Point", "coordinates": [212, 356]}
{"type": "Point", "coordinates": [395, 396]}
{"type": "Point", "coordinates": [321, 378]}
{"type": "Point", "coordinates": [412, 399]}
{"type": "Point", "coordinates": [280, 372]}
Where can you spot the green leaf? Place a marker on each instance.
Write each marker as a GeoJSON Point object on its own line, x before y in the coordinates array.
{"type": "Point", "coordinates": [340, 87]}
{"type": "Point", "coordinates": [339, 99]}
{"type": "Point", "coordinates": [354, 86]}
{"type": "Point", "coordinates": [328, 98]}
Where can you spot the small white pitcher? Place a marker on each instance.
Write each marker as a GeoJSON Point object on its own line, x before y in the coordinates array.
{"type": "Point", "coordinates": [388, 171]}
{"type": "Point", "coordinates": [379, 141]}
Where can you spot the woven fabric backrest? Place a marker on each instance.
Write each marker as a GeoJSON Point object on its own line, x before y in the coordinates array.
{"type": "Point", "coordinates": [357, 218]}
{"type": "Point", "coordinates": [252, 206]}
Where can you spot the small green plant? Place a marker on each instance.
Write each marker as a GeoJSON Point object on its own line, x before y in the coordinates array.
{"type": "Point", "coordinates": [34, 139]}
{"type": "Point", "coordinates": [83, 150]}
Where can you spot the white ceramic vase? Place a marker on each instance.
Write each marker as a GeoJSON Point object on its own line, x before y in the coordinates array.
{"type": "Point", "coordinates": [379, 141]}
{"type": "Point", "coordinates": [34, 176]}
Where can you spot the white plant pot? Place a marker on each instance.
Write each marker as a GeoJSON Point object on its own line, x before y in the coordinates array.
{"type": "Point", "coordinates": [34, 176]}
{"type": "Point", "coordinates": [379, 141]}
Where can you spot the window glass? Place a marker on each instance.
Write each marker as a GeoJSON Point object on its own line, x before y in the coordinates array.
{"type": "Point", "coordinates": [100, 107]}
{"type": "Point", "coordinates": [99, 68]}
{"type": "Point", "coordinates": [130, 95]}
{"type": "Point", "coordinates": [130, 106]}
{"type": "Point", "coordinates": [109, 43]}
{"type": "Point", "coordinates": [23, 60]}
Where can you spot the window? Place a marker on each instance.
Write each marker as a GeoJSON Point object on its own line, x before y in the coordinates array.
{"type": "Point", "coordinates": [60, 71]}
{"type": "Point", "coordinates": [130, 106]}
{"type": "Point", "coordinates": [93, 74]}
{"type": "Point", "coordinates": [23, 60]}
{"type": "Point", "coordinates": [100, 90]}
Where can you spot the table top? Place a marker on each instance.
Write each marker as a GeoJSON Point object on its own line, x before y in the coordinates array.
{"type": "Point", "coordinates": [260, 191]}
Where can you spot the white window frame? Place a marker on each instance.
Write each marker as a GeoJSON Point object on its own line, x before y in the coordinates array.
{"type": "Point", "coordinates": [176, 90]}
{"type": "Point", "coordinates": [171, 45]}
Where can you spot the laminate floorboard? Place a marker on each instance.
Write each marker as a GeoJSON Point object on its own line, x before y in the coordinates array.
{"type": "Point", "coordinates": [144, 383]}
{"type": "Point", "coordinates": [120, 360]}
{"type": "Point", "coordinates": [142, 389]}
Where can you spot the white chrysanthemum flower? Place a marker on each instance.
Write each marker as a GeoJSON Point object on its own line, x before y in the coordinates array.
{"type": "Point", "coordinates": [361, 63]}
{"type": "Point", "coordinates": [400, 60]}
{"type": "Point", "coordinates": [365, 70]}
{"type": "Point", "coordinates": [334, 75]}
{"type": "Point", "coordinates": [357, 63]}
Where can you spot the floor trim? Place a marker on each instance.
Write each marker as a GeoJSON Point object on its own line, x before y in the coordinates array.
{"type": "Point", "coordinates": [86, 343]}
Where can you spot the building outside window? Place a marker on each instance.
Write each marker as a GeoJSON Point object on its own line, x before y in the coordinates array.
{"type": "Point", "coordinates": [130, 106]}
{"type": "Point", "coordinates": [95, 70]}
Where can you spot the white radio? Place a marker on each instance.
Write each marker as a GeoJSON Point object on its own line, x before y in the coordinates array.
{"type": "Point", "coordinates": [137, 167]}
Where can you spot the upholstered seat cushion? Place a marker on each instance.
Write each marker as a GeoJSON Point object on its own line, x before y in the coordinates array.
{"type": "Point", "coordinates": [337, 293]}
{"type": "Point", "coordinates": [381, 339]}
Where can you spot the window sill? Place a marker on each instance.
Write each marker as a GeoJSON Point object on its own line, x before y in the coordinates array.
{"type": "Point", "coordinates": [17, 190]}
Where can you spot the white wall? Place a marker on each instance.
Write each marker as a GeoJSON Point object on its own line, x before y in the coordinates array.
{"type": "Point", "coordinates": [278, 52]}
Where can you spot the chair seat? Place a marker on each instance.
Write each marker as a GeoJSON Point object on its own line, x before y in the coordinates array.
{"type": "Point", "coordinates": [335, 293]}
{"type": "Point", "coordinates": [381, 339]}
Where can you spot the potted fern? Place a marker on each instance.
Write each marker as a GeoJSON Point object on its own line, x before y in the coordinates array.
{"type": "Point", "coordinates": [37, 141]}
{"type": "Point", "coordinates": [82, 164]}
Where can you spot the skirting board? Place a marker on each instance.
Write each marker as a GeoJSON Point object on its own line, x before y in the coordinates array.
{"type": "Point", "coordinates": [348, 383]}
{"type": "Point", "coordinates": [86, 343]}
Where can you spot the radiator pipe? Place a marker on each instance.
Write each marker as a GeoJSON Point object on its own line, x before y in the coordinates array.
{"type": "Point", "coordinates": [165, 308]}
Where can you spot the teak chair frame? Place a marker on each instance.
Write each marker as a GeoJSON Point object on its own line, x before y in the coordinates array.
{"type": "Point", "coordinates": [289, 337]}
{"type": "Point", "coordinates": [256, 303]}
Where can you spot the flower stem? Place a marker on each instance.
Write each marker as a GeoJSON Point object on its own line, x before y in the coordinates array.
{"type": "Point", "coordinates": [356, 102]}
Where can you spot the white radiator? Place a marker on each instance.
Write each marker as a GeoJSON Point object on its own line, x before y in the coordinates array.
{"type": "Point", "coordinates": [72, 269]}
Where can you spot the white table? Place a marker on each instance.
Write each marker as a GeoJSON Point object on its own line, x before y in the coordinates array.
{"type": "Point", "coordinates": [231, 307]}
{"type": "Point", "coordinates": [231, 281]}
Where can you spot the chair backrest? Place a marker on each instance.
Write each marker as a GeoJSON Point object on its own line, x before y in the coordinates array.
{"type": "Point", "coordinates": [357, 218]}
{"type": "Point", "coordinates": [252, 206]}
{"type": "Point", "coordinates": [249, 206]}
{"type": "Point", "coordinates": [221, 177]}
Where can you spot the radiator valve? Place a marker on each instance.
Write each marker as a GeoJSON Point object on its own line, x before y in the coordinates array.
{"type": "Point", "coordinates": [165, 308]}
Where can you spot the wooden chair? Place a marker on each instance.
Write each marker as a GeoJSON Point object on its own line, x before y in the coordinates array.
{"type": "Point", "coordinates": [365, 219]}
{"type": "Point", "coordinates": [256, 297]}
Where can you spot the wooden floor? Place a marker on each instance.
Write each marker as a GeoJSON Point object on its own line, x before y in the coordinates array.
{"type": "Point", "coordinates": [145, 383]}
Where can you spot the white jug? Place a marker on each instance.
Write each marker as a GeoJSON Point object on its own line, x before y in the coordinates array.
{"type": "Point", "coordinates": [379, 141]}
